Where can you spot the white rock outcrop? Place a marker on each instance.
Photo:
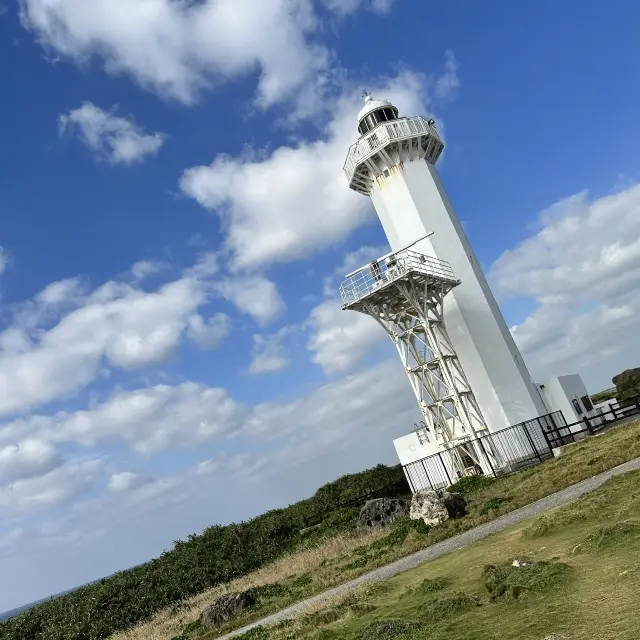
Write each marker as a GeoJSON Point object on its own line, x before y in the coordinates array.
{"type": "Point", "coordinates": [428, 506]}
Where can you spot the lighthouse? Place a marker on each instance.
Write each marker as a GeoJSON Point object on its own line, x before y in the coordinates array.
{"type": "Point", "coordinates": [430, 293]}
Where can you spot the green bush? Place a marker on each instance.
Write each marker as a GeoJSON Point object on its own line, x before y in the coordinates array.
{"type": "Point", "coordinates": [507, 580]}
{"type": "Point", "coordinates": [468, 484]}
{"type": "Point", "coordinates": [218, 555]}
{"type": "Point", "coordinates": [492, 504]}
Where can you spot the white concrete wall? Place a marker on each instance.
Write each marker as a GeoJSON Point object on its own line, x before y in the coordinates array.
{"type": "Point", "coordinates": [432, 472]}
{"type": "Point", "coordinates": [411, 202]}
{"type": "Point", "coordinates": [559, 393]}
{"type": "Point", "coordinates": [409, 448]}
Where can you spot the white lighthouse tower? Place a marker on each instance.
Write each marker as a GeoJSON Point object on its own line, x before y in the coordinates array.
{"type": "Point", "coordinates": [430, 293]}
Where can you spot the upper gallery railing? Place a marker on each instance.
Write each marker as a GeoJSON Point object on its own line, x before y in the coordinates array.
{"type": "Point", "coordinates": [384, 133]}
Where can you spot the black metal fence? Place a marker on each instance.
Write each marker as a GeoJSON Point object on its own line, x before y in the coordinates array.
{"type": "Point", "coordinates": [503, 452]}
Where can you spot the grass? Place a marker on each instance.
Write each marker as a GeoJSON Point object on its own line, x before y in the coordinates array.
{"type": "Point", "coordinates": [337, 559]}
{"type": "Point", "coordinates": [580, 582]}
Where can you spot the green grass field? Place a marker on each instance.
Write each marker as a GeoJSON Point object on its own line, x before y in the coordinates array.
{"type": "Point", "coordinates": [337, 559]}
{"type": "Point", "coordinates": [584, 584]}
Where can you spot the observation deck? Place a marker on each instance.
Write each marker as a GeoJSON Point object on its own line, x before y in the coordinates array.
{"type": "Point", "coordinates": [388, 144]}
{"type": "Point", "coordinates": [376, 282]}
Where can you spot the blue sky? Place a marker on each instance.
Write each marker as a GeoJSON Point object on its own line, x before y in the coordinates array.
{"type": "Point", "coordinates": [174, 226]}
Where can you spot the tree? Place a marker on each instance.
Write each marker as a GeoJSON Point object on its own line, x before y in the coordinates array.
{"type": "Point", "coordinates": [627, 386]}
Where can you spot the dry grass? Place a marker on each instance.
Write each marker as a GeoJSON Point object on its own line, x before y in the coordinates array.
{"type": "Point", "coordinates": [596, 599]}
{"type": "Point", "coordinates": [338, 559]}
{"type": "Point", "coordinates": [167, 624]}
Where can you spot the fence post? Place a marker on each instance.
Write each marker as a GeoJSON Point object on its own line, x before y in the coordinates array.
{"type": "Point", "coordinates": [486, 455]}
{"type": "Point", "coordinates": [530, 439]}
{"type": "Point", "coordinates": [544, 432]}
{"type": "Point", "coordinates": [445, 468]}
{"type": "Point", "coordinates": [587, 423]}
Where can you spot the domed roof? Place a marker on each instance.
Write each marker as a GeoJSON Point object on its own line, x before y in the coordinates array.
{"type": "Point", "coordinates": [371, 105]}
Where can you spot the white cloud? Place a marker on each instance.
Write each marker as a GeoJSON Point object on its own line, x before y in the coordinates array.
{"type": "Point", "coordinates": [340, 339]}
{"type": "Point", "coordinates": [111, 138]}
{"type": "Point", "coordinates": [346, 7]}
{"type": "Point", "coordinates": [128, 327]}
{"type": "Point", "coordinates": [151, 419]}
{"type": "Point", "coordinates": [269, 354]}
{"type": "Point", "coordinates": [60, 485]}
{"type": "Point", "coordinates": [358, 407]}
{"type": "Point", "coordinates": [338, 428]}
{"type": "Point", "coordinates": [582, 266]}
{"type": "Point", "coordinates": [209, 334]}
{"type": "Point", "coordinates": [255, 295]}
{"type": "Point", "coordinates": [206, 467]}
{"type": "Point", "coordinates": [4, 260]}
{"type": "Point", "coordinates": [125, 481]}
{"type": "Point", "coordinates": [289, 203]}
{"type": "Point", "coordinates": [179, 48]}
{"type": "Point", "coordinates": [27, 459]}
{"type": "Point", "coordinates": [144, 268]}
{"type": "Point", "coordinates": [62, 291]}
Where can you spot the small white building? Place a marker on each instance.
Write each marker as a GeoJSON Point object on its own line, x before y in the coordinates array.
{"type": "Point", "coordinates": [569, 395]}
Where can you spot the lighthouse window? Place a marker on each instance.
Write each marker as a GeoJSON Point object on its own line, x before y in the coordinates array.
{"type": "Point", "coordinates": [373, 119]}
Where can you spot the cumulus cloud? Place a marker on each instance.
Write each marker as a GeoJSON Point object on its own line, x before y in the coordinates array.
{"type": "Point", "coordinates": [269, 353]}
{"type": "Point", "coordinates": [289, 203]}
{"type": "Point", "coordinates": [125, 481]}
{"type": "Point", "coordinates": [60, 485]}
{"type": "Point", "coordinates": [582, 266]}
{"type": "Point", "coordinates": [4, 260]}
{"type": "Point", "coordinates": [114, 139]}
{"type": "Point", "coordinates": [60, 339]}
{"type": "Point", "coordinates": [150, 419]}
{"type": "Point", "coordinates": [337, 428]}
{"type": "Point", "coordinates": [128, 327]}
{"type": "Point", "coordinates": [177, 49]}
{"type": "Point", "coordinates": [346, 7]}
{"type": "Point", "coordinates": [340, 339]}
{"type": "Point", "coordinates": [208, 334]}
{"type": "Point", "coordinates": [27, 459]}
{"type": "Point", "coordinates": [255, 295]}
{"type": "Point", "coordinates": [145, 268]}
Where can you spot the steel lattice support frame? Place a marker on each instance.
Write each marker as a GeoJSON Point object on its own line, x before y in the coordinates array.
{"type": "Point", "coordinates": [410, 309]}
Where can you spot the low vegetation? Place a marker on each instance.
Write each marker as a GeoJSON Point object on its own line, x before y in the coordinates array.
{"type": "Point", "coordinates": [163, 599]}
{"type": "Point", "coordinates": [217, 556]}
{"type": "Point", "coordinates": [333, 560]}
{"type": "Point", "coordinates": [603, 396]}
{"type": "Point", "coordinates": [573, 574]}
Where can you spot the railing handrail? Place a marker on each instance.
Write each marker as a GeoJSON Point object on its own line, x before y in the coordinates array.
{"type": "Point", "coordinates": [384, 132]}
{"type": "Point", "coordinates": [387, 269]}
{"type": "Point", "coordinates": [560, 433]}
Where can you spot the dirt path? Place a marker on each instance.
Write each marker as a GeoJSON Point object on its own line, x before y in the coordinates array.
{"type": "Point", "coordinates": [447, 546]}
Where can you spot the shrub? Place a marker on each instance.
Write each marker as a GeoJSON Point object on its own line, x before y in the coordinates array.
{"type": "Point", "coordinates": [507, 580]}
{"type": "Point", "coordinates": [218, 555]}
{"type": "Point", "coordinates": [467, 484]}
{"type": "Point", "coordinates": [492, 504]}
{"type": "Point", "coordinates": [386, 629]}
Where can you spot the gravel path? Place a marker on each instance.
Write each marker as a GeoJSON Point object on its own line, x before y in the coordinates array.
{"type": "Point", "coordinates": [447, 546]}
